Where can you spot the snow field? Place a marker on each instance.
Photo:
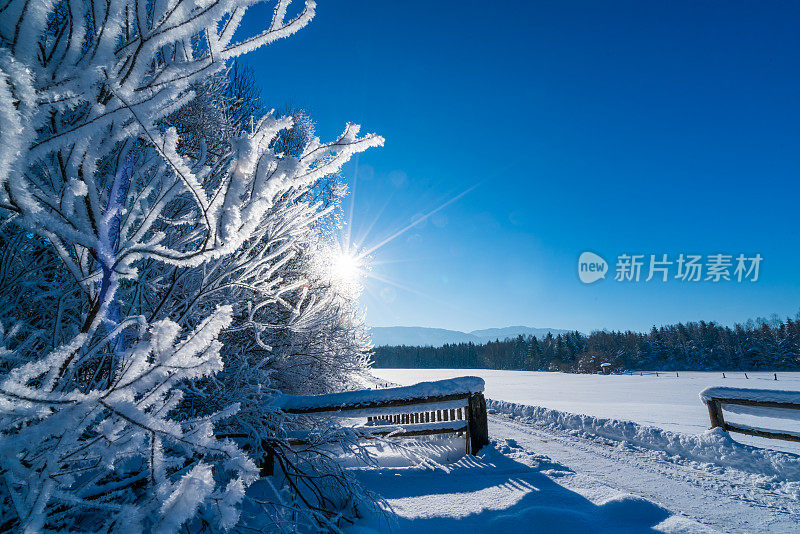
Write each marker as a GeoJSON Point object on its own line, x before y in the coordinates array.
{"type": "Point", "coordinates": [574, 453]}
{"type": "Point", "coordinates": [665, 401]}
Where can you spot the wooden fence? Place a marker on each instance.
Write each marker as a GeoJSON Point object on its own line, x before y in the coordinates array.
{"type": "Point", "coordinates": [453, 406]}
{"type": "Point", "coordinates": [782, 404]}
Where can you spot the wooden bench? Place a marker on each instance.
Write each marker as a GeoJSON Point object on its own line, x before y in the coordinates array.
{"type": "Point", "coordinates": [751, 402]}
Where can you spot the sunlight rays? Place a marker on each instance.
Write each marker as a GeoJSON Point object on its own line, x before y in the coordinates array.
{"type": "Point", "coordinates": [349, 262]}
{"type": "Point", "coordinates": [406, 228]}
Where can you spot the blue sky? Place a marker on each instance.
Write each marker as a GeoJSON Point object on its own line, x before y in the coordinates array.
{"type": "Point", "coordinates": [615, 127]}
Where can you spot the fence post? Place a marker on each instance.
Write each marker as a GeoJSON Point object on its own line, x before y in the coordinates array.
{"type": "Point", "coordinates": [467, 434]}
{"type": "Point", "coordinates": [267, 467]}
{"type": "Point", "coordinates": [715, 414]}
{"type": "Point", "coordinates": [478, 423]}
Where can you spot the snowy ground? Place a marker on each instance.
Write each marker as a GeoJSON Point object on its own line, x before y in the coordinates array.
{"type": "Point", "coordinates": [664, 401]}
{"type": "Point", "coordinates": [606, 471]}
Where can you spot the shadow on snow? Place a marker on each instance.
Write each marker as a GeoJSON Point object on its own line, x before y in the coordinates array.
{"type": "Point", "coordinates": [495, 492]}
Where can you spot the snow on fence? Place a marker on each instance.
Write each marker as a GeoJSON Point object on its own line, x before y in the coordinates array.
{"type": "Point", "coordinates": [759, 402]}
{"type": "Point", "coordinates": [452, 406]}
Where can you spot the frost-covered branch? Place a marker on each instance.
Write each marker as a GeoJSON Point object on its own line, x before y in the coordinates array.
{"type": "Point", "coordinates": [156, 262]}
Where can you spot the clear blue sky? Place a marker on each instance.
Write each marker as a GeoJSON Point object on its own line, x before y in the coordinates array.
{"type": "Point", "coordinates": [615, 127]}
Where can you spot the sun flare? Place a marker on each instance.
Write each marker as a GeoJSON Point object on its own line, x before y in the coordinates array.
{"type": "Point", "coordinates": [346, 267]}
{"type": "Point", "coordinates": [345, 270]}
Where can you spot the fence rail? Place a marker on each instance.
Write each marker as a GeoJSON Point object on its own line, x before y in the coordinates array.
{"type": "Point", "coordinates": [738, 400]}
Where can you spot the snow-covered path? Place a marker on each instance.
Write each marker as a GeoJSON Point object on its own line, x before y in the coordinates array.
{"type": "Point", "coordinates": [563, 483]}
{"type": "Point", "coordinates": [585, 453]}
{"type": "Point", "coordinates": [502, 490]}
{"type": "Point", "coordinates": [723, 501]}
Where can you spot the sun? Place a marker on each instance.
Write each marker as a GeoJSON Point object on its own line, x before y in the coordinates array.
{"type": "Point", "coordinates": [346, 267]}
{"type": "Point", "coordinates": [345, 270]}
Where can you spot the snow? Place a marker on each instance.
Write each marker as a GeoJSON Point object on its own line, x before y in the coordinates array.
{"type": "Point", "coordinates": [700, 497]}
{"type": "Point", "coordinates": [497, 493]}
{"type": "Point", "coordinates": [712, 446]}
{"type": "Point", "coordinates": [187, 496]}
{"type": "Point", "coordinates": [758, 395]}
{"type": "Point", "coordinates": [630, 454]}
{"type": "Point", "coordinates": [354, 399]}
{"type": "Point", "coordinates": [665, 401]}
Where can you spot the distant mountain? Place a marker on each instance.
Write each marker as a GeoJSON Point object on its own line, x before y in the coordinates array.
{"type": "Point", "coordinates": [419, 336]}
{"type": "Point", "coordinates": [491, 334]}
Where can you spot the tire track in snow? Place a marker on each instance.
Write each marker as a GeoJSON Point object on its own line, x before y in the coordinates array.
{"type": "Point", "coordinates": [722, 499]}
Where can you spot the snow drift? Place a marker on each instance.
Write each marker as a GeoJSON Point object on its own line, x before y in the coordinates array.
{"type": "Point", "coordinates": [711, 447]}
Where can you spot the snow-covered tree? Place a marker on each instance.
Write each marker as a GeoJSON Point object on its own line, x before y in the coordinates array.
{"type": "Point", "coordinates": [152, 232]}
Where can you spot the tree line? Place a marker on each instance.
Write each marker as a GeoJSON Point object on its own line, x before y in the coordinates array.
{"type": "Point", "coordinates": [761, 344]}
